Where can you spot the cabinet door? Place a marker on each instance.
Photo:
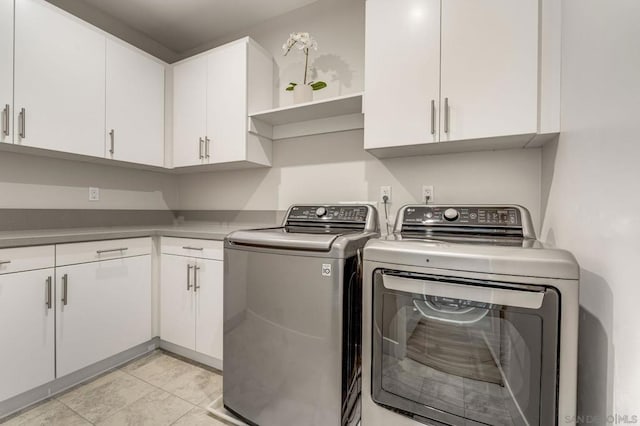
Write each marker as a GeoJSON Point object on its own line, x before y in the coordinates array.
{"type": "Point", "coordinates": [189, 111]}
{"type": "Point", "coordinates": [27, 332]}
{"type": "Point", "coordinates": [107, 310]}
{"type": "Point", "coordinates": [489, 67]}
{"type": "Point", "coordinates": [135, 106]}
{"type": "Point", "coordinates": [59, 80]}
{"type": "Point", "coordinates": [209, 300]}
{"type": "Point", "coordinates": [402, 66]}
{"type": "Point", "coordinates": [227, 103]}
{"type": "Point", "coordinates": [177, 301]}
{"type": "Point", "coordinates": [6, 70]}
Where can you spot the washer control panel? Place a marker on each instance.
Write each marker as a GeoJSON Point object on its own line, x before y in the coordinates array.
{"type": "Point", "coordinates": [329, 213]}
{"type": "Point", "coordinates": [464, 216]}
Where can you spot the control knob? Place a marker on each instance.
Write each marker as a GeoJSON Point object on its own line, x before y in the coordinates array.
{"type": "Point", "coordinates": [321, 211]}
{"type": "Point", "coordinates": [451, 214]}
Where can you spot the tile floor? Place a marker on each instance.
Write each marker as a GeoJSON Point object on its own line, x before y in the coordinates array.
{"type": "Point", "coordinates": [157, 389]}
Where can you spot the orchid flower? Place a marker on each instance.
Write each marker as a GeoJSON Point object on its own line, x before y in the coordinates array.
{"type": "Point", "coordinates": [304, 42]}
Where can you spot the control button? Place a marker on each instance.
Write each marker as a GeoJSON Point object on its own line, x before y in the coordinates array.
{"type": "Point", "coordinates": [451, 214]}
{"type": "Point", "coordinates": [321, 211]}
{"type": "Point", "coordinates": [473, 216]}
{"type": "Point", "coordinates": [429, 215]}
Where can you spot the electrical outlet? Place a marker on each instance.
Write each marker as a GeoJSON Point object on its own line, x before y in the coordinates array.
{"type": "Point", "coordinates": [385, 191]}
{"type": "Point", "coordinates": [427, 194]}
{"type": "Point", "coordinates": [94, 194]}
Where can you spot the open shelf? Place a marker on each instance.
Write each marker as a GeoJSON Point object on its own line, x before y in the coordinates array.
{"type": "Point", "coordinates": [342, 105]}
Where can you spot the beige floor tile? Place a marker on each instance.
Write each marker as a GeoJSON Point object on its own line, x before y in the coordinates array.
{"type": "Point", "coordinates": [158, 369]}
{"type": "Point", "coordinates": [51, 413]}
{"type": "Point", "coordinates": [155, 409]}
{"type": "Point", "coordinates": [104, 396]}
{"type": "Point", "coordinates": [196, 385]}
{"type": "Point", "coordinates": [134, 365]}
{"type": "Point", "coordinates": [198, 417]}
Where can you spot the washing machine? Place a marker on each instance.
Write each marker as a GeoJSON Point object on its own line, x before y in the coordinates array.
{"type": "Point", "coordinates": [468, 320]}
{"type": "Point", "coordinates": [293, 316]}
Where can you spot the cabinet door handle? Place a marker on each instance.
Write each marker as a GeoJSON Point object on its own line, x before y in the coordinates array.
{"type": "Point", "coordinates": [195, 278]}
{"type": "Point", "coordinates": [200, 149]}
{"type": "Point", "coordinates": [5, 120]}
{"type": "Point", "coordinates": [206, 146]}
{"type": "Point", "coordinates": [433, 117]}
{"type": "Point", "coordinates": [48, 300]}
{"type": "Point", "coordinates": [189, 277]}
{"type": "Point", "coordinates": [112, 138]}
{"type": "Point", "coordinates": [65, 285]}
{"type": "Point", "coordinates": [446, 115]}
{"type": "Point", "coordinates": [5, 262]}
{"type": "Point", "coordinates": [22, 123]}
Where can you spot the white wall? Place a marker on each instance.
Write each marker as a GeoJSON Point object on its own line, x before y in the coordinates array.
{"type": "Point", "coordinates": [337, 25]}
{"type": "Point", "coordinates": [331, 168]}
{"type": "Point", "coordinates": [593, 204]}
{"type": "Point", "coordinates": [27, 181]}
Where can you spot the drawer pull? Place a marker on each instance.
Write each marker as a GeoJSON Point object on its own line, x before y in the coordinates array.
{"type": "Point", "coordinates": [48, 300]}
{"type": "Point", "coordinates": [193, 248]}
{"type": "Point", "coordinates": [65, 295]}
{"type": "Point", "coordinates": [112, 250]}
{"type": "Point", "coordinates": [5, 262]}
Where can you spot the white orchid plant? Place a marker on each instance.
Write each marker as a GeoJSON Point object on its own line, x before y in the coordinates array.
{"type": "Point", "coordinates": [304, 42]}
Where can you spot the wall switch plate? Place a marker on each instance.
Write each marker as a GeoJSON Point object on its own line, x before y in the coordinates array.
{"type": "Point", "coordinates": [94, 194]}
{"type": "Point", "coordinates": [427, 194]}
{"type": "Point", "coordinates": [385, 191]}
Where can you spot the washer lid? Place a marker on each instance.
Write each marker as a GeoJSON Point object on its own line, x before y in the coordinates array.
{"type": "Point", "coordinates": [288, 238]}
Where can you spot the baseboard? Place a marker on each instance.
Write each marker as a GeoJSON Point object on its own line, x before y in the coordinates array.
{"type": "Point", "coordinates": [191, 354]}
{"type": "Point", "coordinates": [59, 385]}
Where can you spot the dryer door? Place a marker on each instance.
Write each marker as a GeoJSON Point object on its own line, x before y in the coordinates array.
{"type": "Point", "coordinates": [461, 351]}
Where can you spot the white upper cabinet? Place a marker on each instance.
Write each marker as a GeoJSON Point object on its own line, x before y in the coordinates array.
{"type": "Point", "coordinates": [227, 106]}
{"type": "Point", "coordinates": [134, 106]}
{"type": "Point", "coordinates": [189, 111]}
{"type": "Point", "coordinates": [402, 62]}
{"type": "Point", "coordinates": [444, 71]}
{"type": "Point", "coordinates": [489, 68]}
{"type": "Point", "coordinates": [59, 81]}
{"type": "Point", "coordinates": [6, 70]}
{"type": "Point", "coordinates": [212, 97]}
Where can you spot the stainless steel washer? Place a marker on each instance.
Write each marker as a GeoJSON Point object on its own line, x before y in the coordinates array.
{"type": "Point", "coordinates": [468, 320]}
{"type": "Point", "coordinates": [292, 317]}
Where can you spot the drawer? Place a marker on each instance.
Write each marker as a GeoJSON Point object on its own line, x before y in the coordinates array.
{"type": "Point", "coordinates": [26, 259]}
{"type": "Point", "coordinates": [74, 253]}
{"type": "Point", "coordinates": [203, 249]}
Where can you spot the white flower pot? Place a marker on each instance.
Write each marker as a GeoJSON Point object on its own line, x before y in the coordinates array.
{"type": "Point", "coordinates": [302, 93]}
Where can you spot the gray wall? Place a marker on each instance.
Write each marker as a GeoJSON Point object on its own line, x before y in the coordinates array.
{"type": "Point", "coordinates": [590, 192]}
{"type": "Point", "coordinates": [27, 181]}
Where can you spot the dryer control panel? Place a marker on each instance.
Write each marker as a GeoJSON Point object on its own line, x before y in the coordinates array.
{"type": "Point", "coordinates": [494, 220]}
{"type": "Point", "coordinates": [452, 215]}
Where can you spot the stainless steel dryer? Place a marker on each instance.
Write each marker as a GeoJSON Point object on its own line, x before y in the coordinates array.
{"type": "Point", "coordinates": [292, 317]}
{"type": "Point", "coordinates": [468, 320]}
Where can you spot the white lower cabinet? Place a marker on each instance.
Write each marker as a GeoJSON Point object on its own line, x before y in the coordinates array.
{"type": "Point", "coordinates": [26, 330]}
{"type": "Point", "coordinates": [191, 295]}
{"type": "Point", "coordinates": [104, 306]}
